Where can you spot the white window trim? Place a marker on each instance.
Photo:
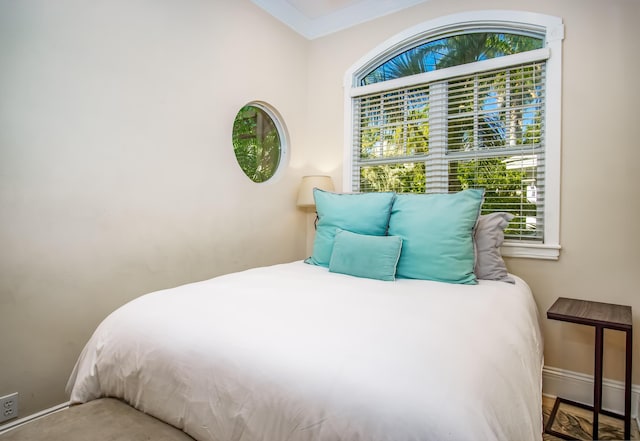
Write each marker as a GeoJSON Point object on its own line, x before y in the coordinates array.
{"type": "Point", "coordinates": [553, 29]}
{"type": "Point", "coordinates": [283, 133]}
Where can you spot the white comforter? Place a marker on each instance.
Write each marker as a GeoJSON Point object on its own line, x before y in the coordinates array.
{"type": "Point", "coordinates": [293, 352]}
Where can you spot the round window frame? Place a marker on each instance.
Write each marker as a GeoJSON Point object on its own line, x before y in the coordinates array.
{"type": "Point", "coordinates": [277, 120]}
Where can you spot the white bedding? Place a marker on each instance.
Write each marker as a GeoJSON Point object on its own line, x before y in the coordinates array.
{"type": "Point", "coordinates": [293, 352]}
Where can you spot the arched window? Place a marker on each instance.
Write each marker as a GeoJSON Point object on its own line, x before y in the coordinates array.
{"type": "Point", "coordinates": [466, 101]}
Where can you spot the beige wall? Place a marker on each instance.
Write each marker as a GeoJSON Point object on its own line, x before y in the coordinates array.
{"type": "Point", "coordinates": [600, 154]}
{"type": "Point", "coordinates": [117, 175]}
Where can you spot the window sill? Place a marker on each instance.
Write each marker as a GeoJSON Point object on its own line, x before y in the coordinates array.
{"type": "Point", "coordinates": [531, 251]}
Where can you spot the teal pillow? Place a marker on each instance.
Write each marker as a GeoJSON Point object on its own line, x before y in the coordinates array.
{"type": "Point", "coordinates": [373, 257]}
{"type": "Point", "coordinates": [437, 235]}
{"type": "Point", "coordinates": [362, 213]}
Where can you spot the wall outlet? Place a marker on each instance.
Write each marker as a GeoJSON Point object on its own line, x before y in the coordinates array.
{"type": "Point", "coordinates": [8, 407]}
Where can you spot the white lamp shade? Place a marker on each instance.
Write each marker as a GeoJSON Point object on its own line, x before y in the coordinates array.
{"type": "Point", "coordinates": [305, 192]}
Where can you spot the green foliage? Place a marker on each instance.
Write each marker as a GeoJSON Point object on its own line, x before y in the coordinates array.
{"type": "Point", "coordinates": [256, 143]}
{"type": "Point", "coordinates": [401, 178]}
{"type": "Point", "coordinates": [504, 188]}
{"type": "Point", "coordinates": [451, 51]}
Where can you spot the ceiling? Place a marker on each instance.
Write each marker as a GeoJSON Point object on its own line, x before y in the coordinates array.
{"type": "Point", "coordinates": [316, 18]}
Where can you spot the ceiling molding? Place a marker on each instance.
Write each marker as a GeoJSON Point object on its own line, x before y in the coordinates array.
{"type": "Point", "coordinates": [335, 18]}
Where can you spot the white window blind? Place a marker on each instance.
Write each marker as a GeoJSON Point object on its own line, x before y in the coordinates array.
{"type": "Point", "coordinates": [483, 129]}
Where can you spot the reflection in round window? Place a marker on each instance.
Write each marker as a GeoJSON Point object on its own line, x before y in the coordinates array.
{"type": "Point", "coordinates": [258, 141]}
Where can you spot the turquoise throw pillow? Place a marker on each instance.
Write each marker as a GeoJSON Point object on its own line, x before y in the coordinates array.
{"type": "Point", "coordinates": [373, 257]}
{"type": "Point", "coordinates": [362, 213]}
{"type": "Point", "coordinates": [437, 235]}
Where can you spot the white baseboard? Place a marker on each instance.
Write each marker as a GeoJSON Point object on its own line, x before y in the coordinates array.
{"type": "Point", "coordinates": [19, 422]}
{"type": "Point", "coordinates": [579, 387]}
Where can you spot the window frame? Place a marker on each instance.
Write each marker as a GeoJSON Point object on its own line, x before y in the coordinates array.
{"type": "Point", "coordinates": [551, 28]}
{"type": "Point", "coordinates": [283, 134]}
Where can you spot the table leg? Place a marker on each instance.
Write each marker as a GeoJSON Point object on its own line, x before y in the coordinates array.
{"type": "Point", "coordinates": [627, 386]}
{"type": "Point", "coordinates": [597, 381]}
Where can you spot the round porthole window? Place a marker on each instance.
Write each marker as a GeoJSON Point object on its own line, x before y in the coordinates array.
{"type": "Point", "coordinates": [258, 141]}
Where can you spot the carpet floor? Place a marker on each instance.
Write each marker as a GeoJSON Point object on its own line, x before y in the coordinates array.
{"type": "Point", "coordinates": [112, 420]}
{"type": "Point", "coordinates": [106, 419]}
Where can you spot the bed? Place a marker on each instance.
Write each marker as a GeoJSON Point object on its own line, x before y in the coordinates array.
{"type": "Point", "coordinates": [300, 351]}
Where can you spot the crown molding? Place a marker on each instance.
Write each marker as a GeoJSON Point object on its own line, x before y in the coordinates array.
{"type": "Point", "coordinates": [337, 20]}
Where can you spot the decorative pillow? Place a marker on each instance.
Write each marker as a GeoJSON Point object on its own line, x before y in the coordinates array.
{"type": "Point", "coordinates": [489, 236]}
{"type": "Point", "coordinates": [437, 235]}
{"type": "Point", "coordinates": [362, 213]}
{"type": "Point", "coordinates": [373, 257]}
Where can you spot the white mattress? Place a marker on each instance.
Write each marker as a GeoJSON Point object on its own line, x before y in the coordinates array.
{"type": "Point", "coordinates": [293, 352]}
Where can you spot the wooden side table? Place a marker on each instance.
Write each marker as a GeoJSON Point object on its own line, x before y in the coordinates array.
{"type": "Point", "coordinates": [601, 316]}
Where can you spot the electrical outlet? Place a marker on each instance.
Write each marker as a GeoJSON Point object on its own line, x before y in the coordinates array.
{"type": "Point", "coordinates": [8, 407]}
